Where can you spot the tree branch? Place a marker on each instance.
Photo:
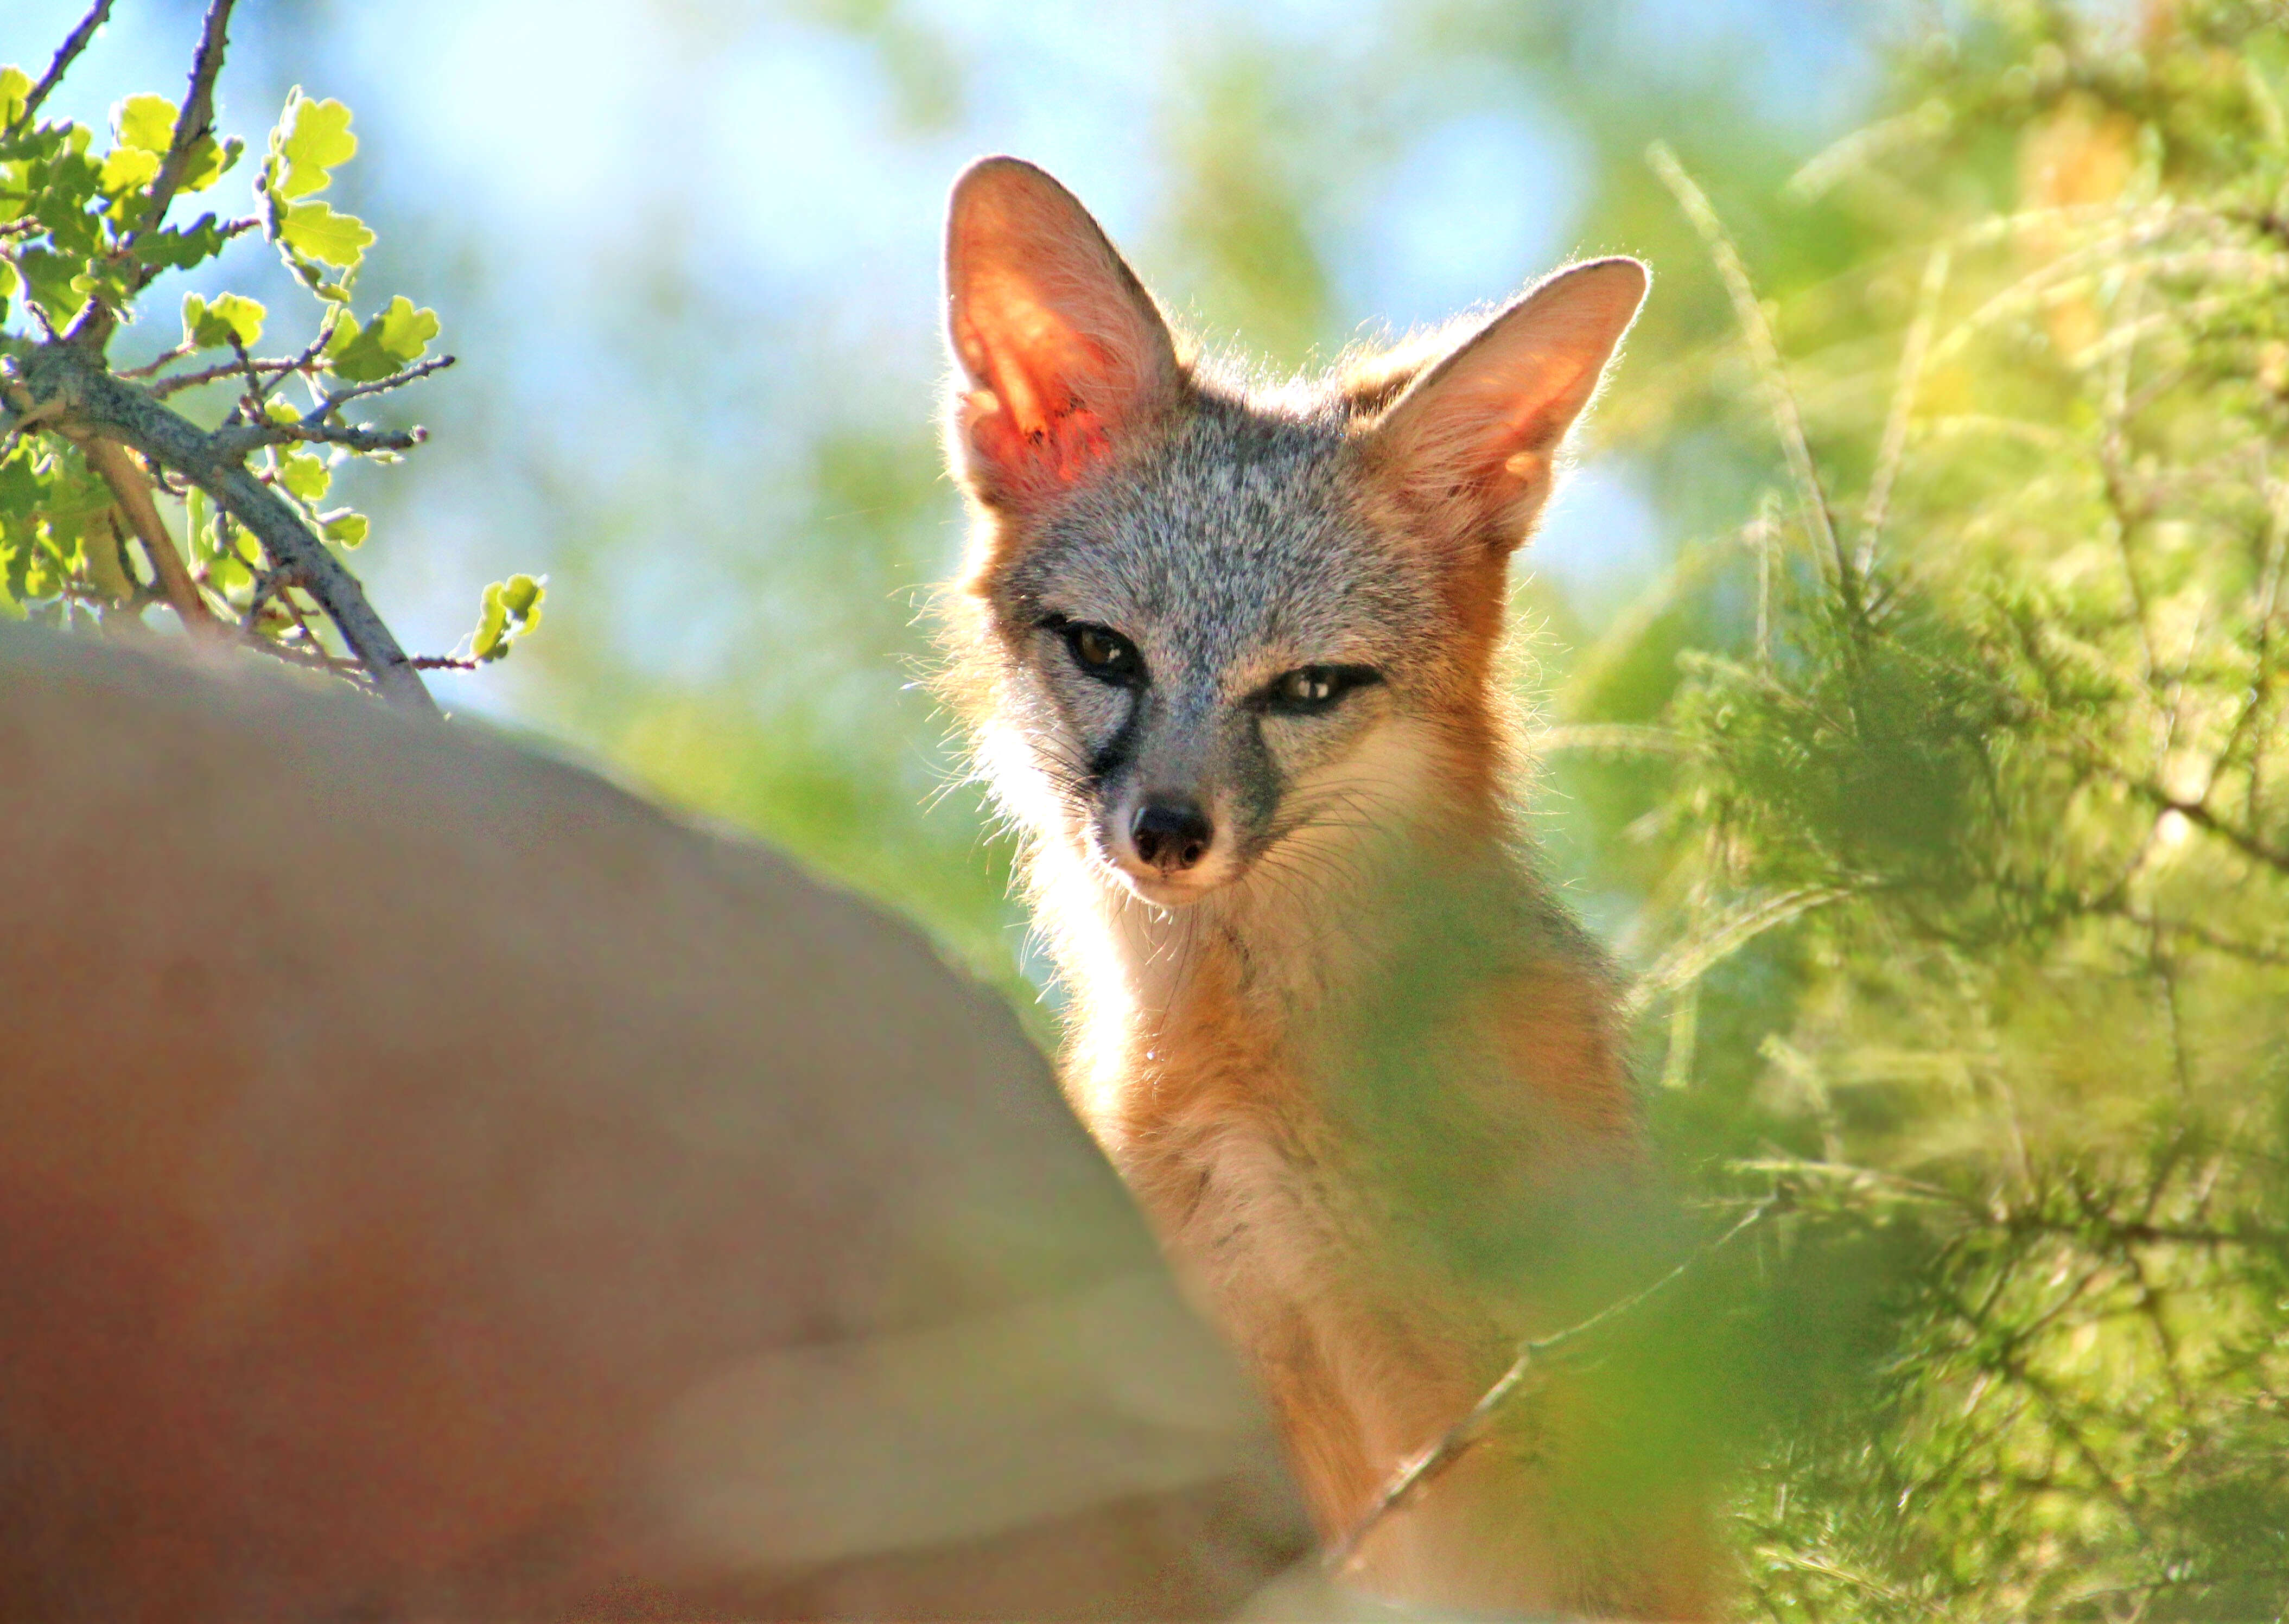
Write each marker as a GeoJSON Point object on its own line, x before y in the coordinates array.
{"type": "Point", "coordinates": [75, 41]}
{"type": "Point", "coordinates": [239, 439]}
{"type": "Point", "coordinates": [192, 125]}
{"type": "Point", "coordinates": [278, 367]}
{"type": "Point", "coordinates": [65, 388]}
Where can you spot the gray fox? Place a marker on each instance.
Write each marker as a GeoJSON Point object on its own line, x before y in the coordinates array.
{"type": "Point", "coordinates": [1229, 660]}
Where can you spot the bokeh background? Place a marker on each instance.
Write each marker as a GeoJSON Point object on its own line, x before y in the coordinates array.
{"type": "Point", "coordinates": [687, 252]}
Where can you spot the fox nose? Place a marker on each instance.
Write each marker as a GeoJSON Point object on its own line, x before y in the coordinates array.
{"type": "Point", "coordinates": [1172, 835]}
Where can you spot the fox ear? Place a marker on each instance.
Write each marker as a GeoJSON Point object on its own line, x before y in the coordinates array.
{"type": "Point", "coordinates": [1469, 450]}
{"type": "Point", "coordinates": [1062, 352]}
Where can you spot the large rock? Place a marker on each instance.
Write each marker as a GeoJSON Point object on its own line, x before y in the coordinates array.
{"type": "Point", "coordinates": [433, 1180]}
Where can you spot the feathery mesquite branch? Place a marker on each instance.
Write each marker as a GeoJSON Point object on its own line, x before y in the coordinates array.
{"type": "Point", "coordinates": [1780, 401]}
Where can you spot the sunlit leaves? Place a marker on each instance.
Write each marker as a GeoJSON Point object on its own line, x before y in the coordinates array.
{"type": "Point", "coordinates": [317, 231]}
{"type": "Point", "coordinates": [311, 140]}
{"type": "Point", "coordinates": [86, 239]}
{"type": "Point", "coordinates": [2039, 765]}
{"type": "Point", "coordinates": [180, 247]}
{"type": "Point", "coordinates": [389, 343]}
{"type": "Point", "coordinates": [512, 609]}
{"type": "Point", "coordinates": [146, 124]}
{"type": "Point", "coordinates": [127, 169]}
{"type": "Point", "coordinates": [15, 90]}
{"type": "Point", "coordinates": [230, 318]}
{"type": "Point", "coordinates": [303, 472]}
{"type": "Point", "coordinates": [51, 525]}
{"type": "Point", "coordinates": [346, 528]}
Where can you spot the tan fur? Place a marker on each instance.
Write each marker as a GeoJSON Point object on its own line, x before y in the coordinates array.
{"type": "Point", "coordinates": [1263, 1054]}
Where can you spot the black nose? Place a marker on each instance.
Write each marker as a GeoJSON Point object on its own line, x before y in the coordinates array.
{"type": "Point", "coordinates": [1172, 835]}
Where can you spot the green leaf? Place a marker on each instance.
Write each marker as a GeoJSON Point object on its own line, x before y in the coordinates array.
{"type": "Point", "coordinates": [48, 276]}
{"type": "Point", "coordinates": [198, 524]}
{"type": "Point", "coordinates": [346, 528]}
{"type": "Point", "coordinates": [15, 91]}
{"type": "Point", "coordinates": [211, 326]}
{"type": "Point", "coordinates": [180, 247]}
{"type": "Point", "coordinates": [391, 342]}
{"type": "Point", "coordinates": [146, 124]}
{"type": "Point", "coordinates": [209, 162]}
{"type": "Point", "coordinates": [314, 231]}
{"type": "Point", "coordinates": [128, 169]}
{"type": "Point", "coordinates": [512, 609]}
{"type": "Point", "coordinates": [303, 473]}
{"type": "Point", "coordinates": [312, 137]}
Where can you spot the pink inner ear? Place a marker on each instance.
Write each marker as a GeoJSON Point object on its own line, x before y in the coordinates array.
{"type": "Point", "coordinates": [1059, 447]}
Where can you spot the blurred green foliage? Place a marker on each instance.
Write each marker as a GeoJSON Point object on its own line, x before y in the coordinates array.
{"type": "Point", "coordinates": [1956, 804]}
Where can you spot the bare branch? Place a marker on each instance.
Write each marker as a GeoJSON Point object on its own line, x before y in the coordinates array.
{"type": "Point", "coordinates": [195, 124]}
{"type": "Point", "coordinates": [278, 367]}
{"type": "Point", "coordinates": [337, 399]}
{"type": "Point", "coordinates": [75, 41]}
{"type": "Point", "coordinates": [132, 492]}
{"type": "Point", "coordinates": [161, 363]}
{"type": "Point", "coordinates": [239, 439]}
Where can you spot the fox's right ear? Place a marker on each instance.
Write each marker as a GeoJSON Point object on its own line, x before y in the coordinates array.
{"type": "Point", "coordinates": [1063, 354]}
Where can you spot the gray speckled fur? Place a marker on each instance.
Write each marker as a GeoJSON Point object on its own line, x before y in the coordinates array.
{"type": "Point", "coordinates": [1230, 548]}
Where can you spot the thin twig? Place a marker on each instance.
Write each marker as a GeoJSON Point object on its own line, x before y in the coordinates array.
{"type": "Point", "coordinates": [1458, 1439]}
{"type": "Point", "coordinates": [337, 399]}
{"type": "Point", "coordinates": [2199, 814]}
{"type": "Point", "coordinates": [278, 367]}
{"type": "Point", "coordinates": [75, 41]}
{"type": "Point", "coordinates": [238, 439]}
{"type": "Point", "coordinates": [150, 367]}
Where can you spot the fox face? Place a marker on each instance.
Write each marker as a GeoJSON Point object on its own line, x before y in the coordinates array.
{"type": "Point", "coordinates": [1209, 632]}
{"type": "Point", "coordinates": [1205, 652]}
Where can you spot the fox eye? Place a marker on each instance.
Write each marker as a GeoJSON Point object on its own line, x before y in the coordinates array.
{"type": "Point", "coordinates": [1104, 653]}
{"type": "Point", "coordinates": [1311, 689]}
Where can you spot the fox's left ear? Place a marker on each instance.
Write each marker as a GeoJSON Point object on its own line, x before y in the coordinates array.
{"type": "Point", "coordinates": [1470, 449]}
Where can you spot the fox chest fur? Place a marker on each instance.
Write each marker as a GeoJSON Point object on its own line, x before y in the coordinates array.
{"type": "Point", "coordinates": [1316, 1112]}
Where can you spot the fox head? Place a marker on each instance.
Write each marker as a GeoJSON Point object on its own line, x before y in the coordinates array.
{"type": "Point", "coordinates": [1203, 631]}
